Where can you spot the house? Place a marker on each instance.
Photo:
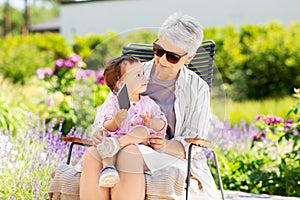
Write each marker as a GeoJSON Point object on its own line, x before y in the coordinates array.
{"type": "Point", "coordinates": [48, 26]}
{"type": "Point", "coordinates": [83, 17]}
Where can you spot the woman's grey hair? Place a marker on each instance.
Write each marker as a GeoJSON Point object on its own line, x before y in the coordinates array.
{"type": "Point", "coordinates": [183, 30]}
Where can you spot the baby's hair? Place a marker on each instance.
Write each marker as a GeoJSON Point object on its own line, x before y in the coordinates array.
{"type": "Point", "coordinates": [113, 70]}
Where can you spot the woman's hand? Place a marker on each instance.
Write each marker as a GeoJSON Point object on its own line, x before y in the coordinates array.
{"type": "Point", "coordinates": [158, 141]}
{"type": "Point", "coordinates": [97, 136]}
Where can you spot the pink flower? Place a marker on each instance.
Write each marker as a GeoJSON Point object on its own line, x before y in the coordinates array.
{"type": "Point", "coordinates": [288, 124]}
{"type": "Point", "coordinates": [40, 73]}
{"type": "Point", "coordinates": [49, 101]}
{"type": "Point", "coordinates": [43, 72]}
{"type": "Point", "coordinates": [258, 117]}
{"type": "Point", "coordinates": [88, 73]}
{"type": "Point", "coordinates": [59, 63]}
{"type": "Point", "coordinates": [48, 71]}
{"type": "Point", "coordinates": [100, 81]}
{"type": "Point", "coordinates": [68, 63]}
{"type": "Point", "coordinates": [99, 77]}
{"type": "Point", "coordinates": [75, 58]}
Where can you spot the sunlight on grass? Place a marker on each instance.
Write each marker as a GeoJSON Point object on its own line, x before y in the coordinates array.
{"type": "Point", "coordinates": [248, 110]}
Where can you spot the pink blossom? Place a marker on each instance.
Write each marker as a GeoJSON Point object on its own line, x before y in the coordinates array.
{"type": "Point", "coordinates": [75, 58]}
{"type": "Point", "coordinates": [288, 124]}
{"type": "Point", "coordinates": [100, 81]}
{"type": "Point", "coordinates": [40, 73]}
{"type": "Point", "coordinates": [79, 64]}
{"type": "Point", "coordinates": [258, 117]}
{"type": "Point", "coordinates": [99, 77]}
{"type": "Point", "coordinates": [88, 73]}
{"type": "Point", "coordinates": [68, 63]}
{"type": "Point", "coordinates": [59, 63]}
{"type": "Point", "coordinates": [48, 71]}
{"type": "Point", "coordinates": [99, 73]}
{"type": "Point", "coordinates": [49, 101]}
{"type": "Point", "coordinates": [43, 72]}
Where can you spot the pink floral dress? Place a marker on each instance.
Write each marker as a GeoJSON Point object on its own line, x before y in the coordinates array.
{"type": "Point", "coordinates": [145, 104]}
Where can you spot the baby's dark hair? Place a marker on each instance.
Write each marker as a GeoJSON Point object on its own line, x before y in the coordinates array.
{"type": "Point", "coordinates": [113, 70]}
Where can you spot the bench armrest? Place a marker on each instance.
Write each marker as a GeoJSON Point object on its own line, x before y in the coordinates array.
{"type": "Point", "coordinates": [84, 142]}
{"type": "Point", "coordinates": [199, 142]}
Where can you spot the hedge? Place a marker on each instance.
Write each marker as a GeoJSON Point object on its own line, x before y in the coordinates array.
{"type": "Point", "coordinates": [256, 61]}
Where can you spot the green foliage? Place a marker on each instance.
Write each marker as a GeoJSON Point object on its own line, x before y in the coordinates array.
{"type": "Point", "coordinates": [21, 56]}
{"type": "Point", "coordinates": [70, 92]}
{"type": "Point", "coordinates": [258, 61]}
{"type": "Point", "coordinates": [12, 108]}
{"type": "Point", "coordinates": [84, 45]}
{"type": "Point", "coordinates": [272, 164]}
{"type": "Point", "coordinates": [16, 18]}
{"type": "Point", "coordinates": [39, 14]}
{"type": "Point", "coordinates": [248, 109]}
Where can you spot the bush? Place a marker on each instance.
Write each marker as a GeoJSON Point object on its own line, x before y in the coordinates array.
{"type": "Point", "coordinates": [12, 107]}
{"type": "Point", "coordinates": [21, 56]}
{"type": "Point", "coordinates": [70, 92]}
{"type": "Point", "coordinates": [272, 162]}
{"type": "Point", "coordinates": [257, 61]}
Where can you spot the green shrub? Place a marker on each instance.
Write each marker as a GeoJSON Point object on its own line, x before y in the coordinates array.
{"type": "Point", "coordinates": [70, 91]}
{"type": "Point", "coordinates": [12, 108]}
{"type": "Point", "coordinates": [257, 61]}
{"type": "Point", "coordinates": [272, 163]}
{"type": "Point", "coordinates": [21, 56]}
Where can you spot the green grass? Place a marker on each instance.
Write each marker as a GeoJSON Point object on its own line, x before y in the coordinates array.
{"type": "Point", "coordinates": [248, 110]}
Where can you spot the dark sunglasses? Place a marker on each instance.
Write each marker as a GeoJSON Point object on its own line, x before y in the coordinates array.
{"type": "Point", "coordinates": [171, 57]}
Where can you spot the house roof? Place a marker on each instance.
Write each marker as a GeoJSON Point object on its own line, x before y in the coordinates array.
{"type": "Point", "coordinates": [48, 26]}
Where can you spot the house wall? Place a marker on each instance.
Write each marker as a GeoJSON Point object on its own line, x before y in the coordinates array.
{"type": "Point", "coordinates": [99, 17]}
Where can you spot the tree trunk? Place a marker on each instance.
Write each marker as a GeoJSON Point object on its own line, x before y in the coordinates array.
{"type": "Point", "coordinates": [25, 29]}
{"type": "Point", "coordinates": [7, 21]}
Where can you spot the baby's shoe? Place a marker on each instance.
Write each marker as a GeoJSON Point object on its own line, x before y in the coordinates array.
{"type": "Point", "coordinates": [109, 177]}
{"type": "Point", "coordinates": [108, 147]}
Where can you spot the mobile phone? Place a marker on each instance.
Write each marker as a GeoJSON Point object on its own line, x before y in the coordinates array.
{"type": "Point", "coordinates": [123, 98]}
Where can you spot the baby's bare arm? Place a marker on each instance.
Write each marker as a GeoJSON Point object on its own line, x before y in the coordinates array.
{"type": "Point", "coordinates": [114, 123]}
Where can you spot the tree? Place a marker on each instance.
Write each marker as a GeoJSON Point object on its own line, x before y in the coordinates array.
{"type": "Point", "coordinates": [25, 29]}
{"type": "Point", "coordinates": [7, 20]}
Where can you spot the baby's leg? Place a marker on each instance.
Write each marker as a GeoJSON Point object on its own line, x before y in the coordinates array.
{"type": "Point", "coordinates": [109, 176]}
{"type": "Point", "coordinates": [138, 135]}
{"type": "Point", "coordinates": [109, 161]}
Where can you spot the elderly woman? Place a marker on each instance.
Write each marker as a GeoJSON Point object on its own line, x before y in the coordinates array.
{"type": "Point", "coordinates": [184, 98]}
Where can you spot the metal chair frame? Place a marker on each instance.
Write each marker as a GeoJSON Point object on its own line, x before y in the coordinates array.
{"type": "Point", "coordinates": [202, 64]}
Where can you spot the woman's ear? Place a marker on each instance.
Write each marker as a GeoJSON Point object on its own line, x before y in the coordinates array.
{"type": "Point", "coordinates": [189, 59]}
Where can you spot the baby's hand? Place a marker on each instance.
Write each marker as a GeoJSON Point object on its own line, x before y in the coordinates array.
{"type": "Point", "coordinates": [120, 116]}
{"type": "Point", "coordinates": [147, 119]}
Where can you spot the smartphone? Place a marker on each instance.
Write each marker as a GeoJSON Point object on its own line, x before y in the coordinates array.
{"type": "Point", "coordinates": [123, 98]}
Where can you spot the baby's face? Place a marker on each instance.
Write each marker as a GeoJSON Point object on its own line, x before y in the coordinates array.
{"type": "Point", "coordinates": [134, 78]}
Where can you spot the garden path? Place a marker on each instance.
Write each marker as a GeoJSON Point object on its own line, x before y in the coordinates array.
{"type": "Point", "coordinates": [235, 195]}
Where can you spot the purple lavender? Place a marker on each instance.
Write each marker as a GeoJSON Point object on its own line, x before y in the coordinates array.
{"type": "Point", "coordinates": [28, 158]}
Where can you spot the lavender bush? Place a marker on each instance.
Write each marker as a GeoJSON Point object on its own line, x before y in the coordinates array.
{"type": "Point", "coordinates": [27, 159]}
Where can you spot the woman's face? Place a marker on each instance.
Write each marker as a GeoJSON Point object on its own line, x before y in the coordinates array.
{"type": "Point", "coordinates": [163, 64]}
{"type": "Point", "coordinates": [133, 76]}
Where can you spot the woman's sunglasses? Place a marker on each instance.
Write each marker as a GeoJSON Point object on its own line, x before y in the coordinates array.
{"type": "Point", "coordinates": [171, 57]}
